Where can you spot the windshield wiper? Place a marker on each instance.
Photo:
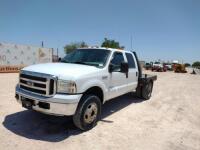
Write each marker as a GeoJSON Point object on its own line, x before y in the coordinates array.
{"type": "Point", "coordinates": [79, 62]}
{"type": "Point", "coordinates": [64, 61]}
{"type": "Point", "coordinates": [75, 62]}
{"type": "Point", "coordinates": [83, 63]}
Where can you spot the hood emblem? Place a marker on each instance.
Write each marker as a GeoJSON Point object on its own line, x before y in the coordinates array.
{"type": "Point", "coordinates": [30, 83]}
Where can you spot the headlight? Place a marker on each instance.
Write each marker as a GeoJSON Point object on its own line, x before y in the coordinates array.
{"type": "Point", "coordinates": [64, 86]}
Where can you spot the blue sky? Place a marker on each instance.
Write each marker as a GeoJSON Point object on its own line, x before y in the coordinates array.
{"type": "Point", "coordinates": [161, 29]}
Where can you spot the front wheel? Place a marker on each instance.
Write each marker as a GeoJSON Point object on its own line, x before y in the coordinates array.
{"type": "Point", "coordinates": [88, 112]}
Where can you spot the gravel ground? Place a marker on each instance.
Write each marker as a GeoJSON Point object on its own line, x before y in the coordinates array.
{"type": "Point", "coordinates": [170, 120]}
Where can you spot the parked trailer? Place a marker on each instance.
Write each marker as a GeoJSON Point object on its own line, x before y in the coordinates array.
{"type": "Point", "coordinates": [13, 57]}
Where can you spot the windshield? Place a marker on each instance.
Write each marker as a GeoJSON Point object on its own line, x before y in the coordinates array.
{"type": "Point", "coordinates": [93, 57]}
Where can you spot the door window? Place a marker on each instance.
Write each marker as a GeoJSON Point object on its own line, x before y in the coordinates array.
{"type": "Point", "coordinates": [118, 58]}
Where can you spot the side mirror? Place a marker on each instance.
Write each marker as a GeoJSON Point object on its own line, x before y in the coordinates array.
{"type": "Point", "coordinates": [110, 68]}
{"type": "Point", "coordinates": [124, 67]}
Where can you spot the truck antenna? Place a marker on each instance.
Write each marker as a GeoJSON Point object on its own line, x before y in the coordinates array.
{"type": "Point", "coordinates": [131, 42]}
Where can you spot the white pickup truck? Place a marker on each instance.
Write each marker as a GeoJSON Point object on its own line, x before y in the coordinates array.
{"type": "Point", "coordinates": [83, 81]}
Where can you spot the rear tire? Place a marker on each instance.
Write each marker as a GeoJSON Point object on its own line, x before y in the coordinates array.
{"type": "Point", "coordinates": [147, 90]}
{"type": "Point", "coordinates": [88, 112]}
{"type": "Point", "coordinates": [139, 92]}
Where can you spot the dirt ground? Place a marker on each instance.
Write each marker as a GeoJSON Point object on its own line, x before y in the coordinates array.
{"type": "Point", "coordinates": [170, 120]}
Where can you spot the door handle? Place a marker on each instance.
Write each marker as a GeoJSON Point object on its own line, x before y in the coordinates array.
{"type": "Point", "coordinates": [136, 73]}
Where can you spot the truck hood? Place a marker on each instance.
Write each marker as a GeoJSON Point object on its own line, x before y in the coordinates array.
{"type": "Point", "coordinates": [62, 70]}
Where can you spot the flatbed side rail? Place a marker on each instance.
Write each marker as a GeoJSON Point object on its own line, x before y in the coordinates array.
{"type": "Point", "coordinates": [143, 78]}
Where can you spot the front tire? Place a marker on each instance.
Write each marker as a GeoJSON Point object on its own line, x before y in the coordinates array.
{"type": "Point", "coordinates": [88, 112]}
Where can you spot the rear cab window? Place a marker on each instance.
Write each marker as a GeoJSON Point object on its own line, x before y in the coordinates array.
{"type": "Point", "coordinates": [131, 61]}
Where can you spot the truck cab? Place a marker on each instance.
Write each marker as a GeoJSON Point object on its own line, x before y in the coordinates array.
{"type": "Point", "coordinates": [81, 83]}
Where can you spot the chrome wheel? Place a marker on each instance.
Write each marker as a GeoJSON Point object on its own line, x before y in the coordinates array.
{"type": "Point", "coordinates": [90, 113]}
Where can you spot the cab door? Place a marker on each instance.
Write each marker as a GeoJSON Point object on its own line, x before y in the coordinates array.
{"type": "Point", "coordinates": [117, 79]}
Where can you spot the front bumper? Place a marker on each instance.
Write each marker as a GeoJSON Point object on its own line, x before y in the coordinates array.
{"type": "Point", "coordinates": [59, 104]}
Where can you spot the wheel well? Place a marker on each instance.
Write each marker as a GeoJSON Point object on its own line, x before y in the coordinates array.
{"type": "Point", "coordinates": [96, 91]}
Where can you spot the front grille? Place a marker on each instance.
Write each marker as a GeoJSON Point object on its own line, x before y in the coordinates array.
{"type": "Point", "coordinates": [37, 83]}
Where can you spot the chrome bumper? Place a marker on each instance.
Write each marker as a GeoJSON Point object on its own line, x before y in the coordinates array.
{"type": "Point", "coordinates": [59, 104]}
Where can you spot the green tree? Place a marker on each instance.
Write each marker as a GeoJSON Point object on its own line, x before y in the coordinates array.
{"type": "Point", "coordinates": [187, 65]}
{"type": "Point", "coordinates": [111, 44]}
{"type": "Point", "coordinates": [72, 46]}
{"type": "Point", "coordinates": [196, 64]}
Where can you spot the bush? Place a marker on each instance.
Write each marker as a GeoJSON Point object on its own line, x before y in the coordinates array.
{"type": "Point", "coordinates": [196, 64]}
{"type": "Point", "coordinates": [187, 65]}
{"type": "Point", "coordinates": [72, 46]}
{"type": "Point", "coordinates": [111, 44]}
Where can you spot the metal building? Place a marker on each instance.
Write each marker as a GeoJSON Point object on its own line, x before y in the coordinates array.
{"type": "Point", "coordinates": [15, 56]}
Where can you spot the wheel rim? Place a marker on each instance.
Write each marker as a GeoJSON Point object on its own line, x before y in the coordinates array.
{"type": "Point", "coordinates": [90, 113]}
